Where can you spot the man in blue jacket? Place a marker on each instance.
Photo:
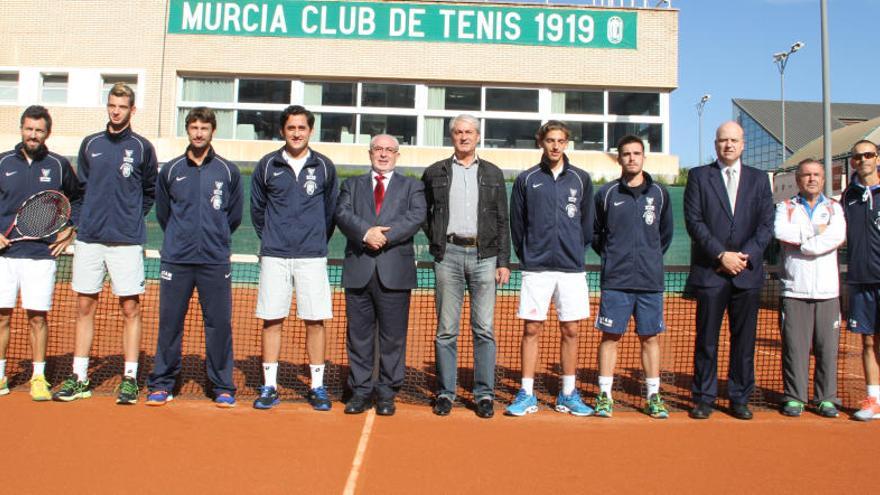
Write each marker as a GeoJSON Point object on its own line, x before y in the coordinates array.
{"type": "Point", "coordinates": [293, 200]}
{"type": "Point", "coordinates": [632, 231]}
{"type": "Point", "coordinates": [551, 225]}
{"type": "Point", "coordinates": [198, 206]}
{"type": "Point", "coordinates": [29, 266]}
{"type": "Point", "coordinates": [117, 169]}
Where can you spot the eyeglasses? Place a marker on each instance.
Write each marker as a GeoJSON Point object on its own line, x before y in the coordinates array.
{"type": "Point", "coordinates": [379, 149]}
{"type": "Point", "coordinates": [864, 156]}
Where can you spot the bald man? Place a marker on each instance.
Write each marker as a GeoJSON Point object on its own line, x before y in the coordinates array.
{"type": "Point", "coordinates": [728, 210]}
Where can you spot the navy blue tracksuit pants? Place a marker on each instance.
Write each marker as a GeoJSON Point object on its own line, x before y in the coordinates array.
{"type": "Point", "coordinates": [214, 283]}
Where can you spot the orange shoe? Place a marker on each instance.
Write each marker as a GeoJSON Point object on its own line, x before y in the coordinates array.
{"type": "Point", "coordinates": [869, 409]}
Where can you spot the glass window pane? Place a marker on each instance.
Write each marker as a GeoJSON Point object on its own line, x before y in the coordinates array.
{"type": "Point", "coordinates": [437, 131]}
{"type": "Point", "coordinates": [578, 102]}
{"type": "Point", "coordinates": [650, 133]}
{"type": "Point", "coordinates": [9, 87]}
{"type": "Point", "coordinates": [258, 124]}
{"type": "Point", "coordinates": [263, 91]}
{"type": "Point", "coordinates": [454, 98]}
{"type": "Point", "coordinates": [335, 127]}
{"type": "Point", "coordinates": [511, 133]}
{"type": "Point", "coordinates": [108, 80]}
{"type": "Point", "coordinates": [224, 123]}
{"type": "Point", "coordinates": [208, 90]}
{"type": "Point", "coordinates": [388, 95]}
{"type": "Point", "coordinates": [587, 135]}
{"type": "Point", "coordinates": [54, 88]}
{"type": "Point", "coordinates": [512, 100]}
{"type": "Point", "coordinates": [327, 93]}
{"type": "Point", "coordinates": [400, 126]}
{"type": "Point", "coordinates": [633, 103]}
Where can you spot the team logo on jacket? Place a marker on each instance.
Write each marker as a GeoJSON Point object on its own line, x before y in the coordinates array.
{"type": "Point", "coordinates": [311, 185]}
{"type": "Point", "coordinates": [649, 214]}
{"type": "Point", "coordinates": [45, 177]}
{"type": "Point", "coordinates": [127, 162]}
{"type": "Point", "coordinates": [217, 197]}
{"type": "Point", "coordinates": [571, 208]}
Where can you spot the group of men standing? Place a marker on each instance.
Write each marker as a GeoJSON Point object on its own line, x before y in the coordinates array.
{"type": "Point", "coordinates": [461, 204]}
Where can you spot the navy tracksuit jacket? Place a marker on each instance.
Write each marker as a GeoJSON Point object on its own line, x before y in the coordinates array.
{"type": "Point", "coordinates": [198, 208]}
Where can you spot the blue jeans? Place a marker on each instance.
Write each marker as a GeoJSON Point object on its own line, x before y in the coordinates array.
{"type": "Point", "coordinates": [461, 267]}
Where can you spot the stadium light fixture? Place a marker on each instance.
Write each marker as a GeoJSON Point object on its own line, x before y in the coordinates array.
{"type": "Point", "coordinates": [705, 99]}
{"type": "Point", "coordinates": [781, 60]}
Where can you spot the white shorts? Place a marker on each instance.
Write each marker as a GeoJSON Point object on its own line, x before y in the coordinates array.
{"type": "Point", "coordinates": [568, 291]}
{"type": "Point", "coordinates": [279, 276]}
{"type": "Point", "coordinates": [35, 278]}
{"type": "Point", "coordinates": [124, 263]}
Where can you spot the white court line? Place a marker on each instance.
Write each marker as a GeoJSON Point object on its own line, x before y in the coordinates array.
{"type": "Point", "coordinates": [351, 483]}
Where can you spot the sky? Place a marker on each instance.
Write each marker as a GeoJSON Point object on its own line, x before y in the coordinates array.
{"type": "Point", "coordinates": [726, 49]}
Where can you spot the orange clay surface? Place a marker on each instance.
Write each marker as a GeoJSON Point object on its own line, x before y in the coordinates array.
{"type": "Point", "coordinates": [191, 447]}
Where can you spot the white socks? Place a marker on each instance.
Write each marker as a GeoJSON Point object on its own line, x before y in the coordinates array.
{"type": "Point", "coordinates": [653, 386]}
{"type": "Point", "coordinates": [567, 384]}
{"type": "Point", "coordinates": [131, 369]}
{"type": "Point", "coordinates": [528, 384]}
{"type": "Point", "coordinates": [605, 383]}
{"type": "Point", "coordinates": [317, 371]}
{"type": "Point", "coordinates": [81, 368]}
{"type": "Point", "coordinates": [39, 368]}
{"type": "Point", "coordinates": [2, 368]}
{"type": "Point", "coordinates": [270, 374]}
{"type": "Point", "coordinates": [874, 391]}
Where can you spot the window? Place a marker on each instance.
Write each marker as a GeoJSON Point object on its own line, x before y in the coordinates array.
{"type": "Point", "coordinates": [454, 98]}
{"type": "Point", "coordinates": [209, 90]}
{"type": "Point", "coordinates": [512, 100]}
{"type": "Point", "coordinates": [258, 124]}
{"type": "Point", "coordinates": [591, 102]}
{"type": "Point", "coordinates": [334, 128]}
{"type": "Point", "coordinates": [388, 95]}
{"type": "Point", "coordinates": [650, 133]}
{"type": "Point", "coordinates": [331, 94]}
{"type": "Point", "coordinates": [54, 88]}
{"type": "Point", "coordinates": [400, 126]}
{"type": "Point", "coordinates": [225, 119]}
{"type": "Point", "coordinates": [587, 135]}
{"type": "Point", "coordinates": [8, 87]}
{"type": "Point", "coordinates": [108, 80]}
{"type": "Point", "coordinates": [263, 91]}
{"type": "Point", "coordinates": [437, 131]}
{"type": "Point", "coordinates": [511, 133]}
{"type": "Point", "coordinates": [633, 103]}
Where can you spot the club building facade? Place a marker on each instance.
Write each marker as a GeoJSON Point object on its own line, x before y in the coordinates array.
{"type": "Point", "coordinates": [402, 68]}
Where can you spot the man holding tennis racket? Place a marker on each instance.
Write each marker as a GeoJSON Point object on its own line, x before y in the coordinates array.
{"type": "Point", "coordinates": [29, 266]}
{"type": "Point", "coordinates": [117, 169]}
{"type": "Point", "coordinates": [198, 206]}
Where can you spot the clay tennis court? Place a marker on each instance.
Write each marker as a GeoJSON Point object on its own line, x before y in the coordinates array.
{"type": "Point", "coordinates": [188, 446]}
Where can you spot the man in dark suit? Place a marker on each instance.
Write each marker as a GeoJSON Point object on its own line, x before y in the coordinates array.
{"type": "Point", "coordinates": [728, 209]}
{"type": "Point", "coordinates": [379, 213]}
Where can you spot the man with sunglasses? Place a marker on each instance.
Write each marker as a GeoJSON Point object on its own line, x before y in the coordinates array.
{"type": "Point", "coordinates": [861, 206]}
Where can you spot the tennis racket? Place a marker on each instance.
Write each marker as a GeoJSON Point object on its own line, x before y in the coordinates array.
{"type": "Point", "coordinates": [40, 216]}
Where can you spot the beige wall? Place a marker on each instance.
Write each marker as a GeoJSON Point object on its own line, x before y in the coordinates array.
{"type": "Point", "coordinates": [109, 34]}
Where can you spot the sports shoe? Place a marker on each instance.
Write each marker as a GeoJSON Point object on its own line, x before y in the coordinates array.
{"type": "Point", "coordinates": [604, 406]}
{"type": "Point", "coordinates": [127, 391]}
{"type": "Point", "coordinates": [72, 389]}
{"type": "Point", "coordinates": [572, 404]}
{"type": "Point", "coordinates": [319, 400]}
{"type": "Point", "coordinates": [869, 409]}
{"type": "Point", "coordinates": [4, 386]}
{"type": "Point", "coordinates": [159, 398]}
{"type": "Point", "coordinates": [793, 408]}
{"type": "Point", "coordinates": [522, 404]}
{"type": "Point", "coordinates": [268, 398]}
{"type": "Point", "coordinates": [224, 401]}
{"type": "Point", "coordinates": [828, 409]}
{"type": "Point", "coordinates": [656, 408]}
{"type": "Point", "coordinates": [40, 389]}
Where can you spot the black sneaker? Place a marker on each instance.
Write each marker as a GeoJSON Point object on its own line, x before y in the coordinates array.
{"type": "Point", "coordinates": [72, 389]}
{"type": "Point", "coordinates": [268, 398]}
{"type": "Point", "coordinates": [127, 391]}
{"type": "Point", "coordinates": [319, 399]}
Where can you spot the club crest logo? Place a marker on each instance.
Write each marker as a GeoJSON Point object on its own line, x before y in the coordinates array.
{"type": "Point", "coordinates": [127, 162]}
{"type": "Point", "coordinates": [649, 215]}
{"type": "Point", "coordinates": [876, 219]}
{"type": "Point", "coordinates": [571, 210]}
{"type": "Point", "coordinates": [217, 197]}
{"type": "Point", "coordinates": [572, 196]}
{"type": "Point", "coordinates": [45, 177]}
{"type": "Point", "coordinates": [310, 187]}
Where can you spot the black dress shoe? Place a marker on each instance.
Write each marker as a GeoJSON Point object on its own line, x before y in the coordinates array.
{"type": "Point", "coordinates": [385, 407]}
{"type": "Point", "coordinates": [442, 406]}
{"type": "Point", "coordinates": [701, 411]}
{"type": "Point", "coordinates": [357, 404]}
{"type": "Point", "coordinates": [741, 411]}
{"type": "Point", "coordinates": [485, 408]}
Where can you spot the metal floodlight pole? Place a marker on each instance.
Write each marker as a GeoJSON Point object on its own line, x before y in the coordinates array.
{"type": "Point", "coordinates": [781, 60]}
{"type": "Point", "coordinates": [826, 102]}
{"type": "Point", "coordinates": [700, 106]}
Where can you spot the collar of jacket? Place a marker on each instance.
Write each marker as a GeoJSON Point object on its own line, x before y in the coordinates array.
{"type": "Point", "coordinates": [209, 156]}
{"type": "Point", "coordinates": [117, 136]}
{"type": "Point", "coordinates": [648, 182]}
{"type": "Point", "coordinates": [38, 155]}
{"type": "Point", "coordinates": [545, 165]}
{"type": "Point", "coordinates": [278, 158]}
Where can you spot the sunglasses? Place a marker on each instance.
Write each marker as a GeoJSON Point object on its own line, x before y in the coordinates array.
{"type": "Point", "coordinates": [864, 156]}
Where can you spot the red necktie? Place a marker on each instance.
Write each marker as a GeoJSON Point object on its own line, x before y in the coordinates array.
{"type": "Point", "coordinates": [379, 192]}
